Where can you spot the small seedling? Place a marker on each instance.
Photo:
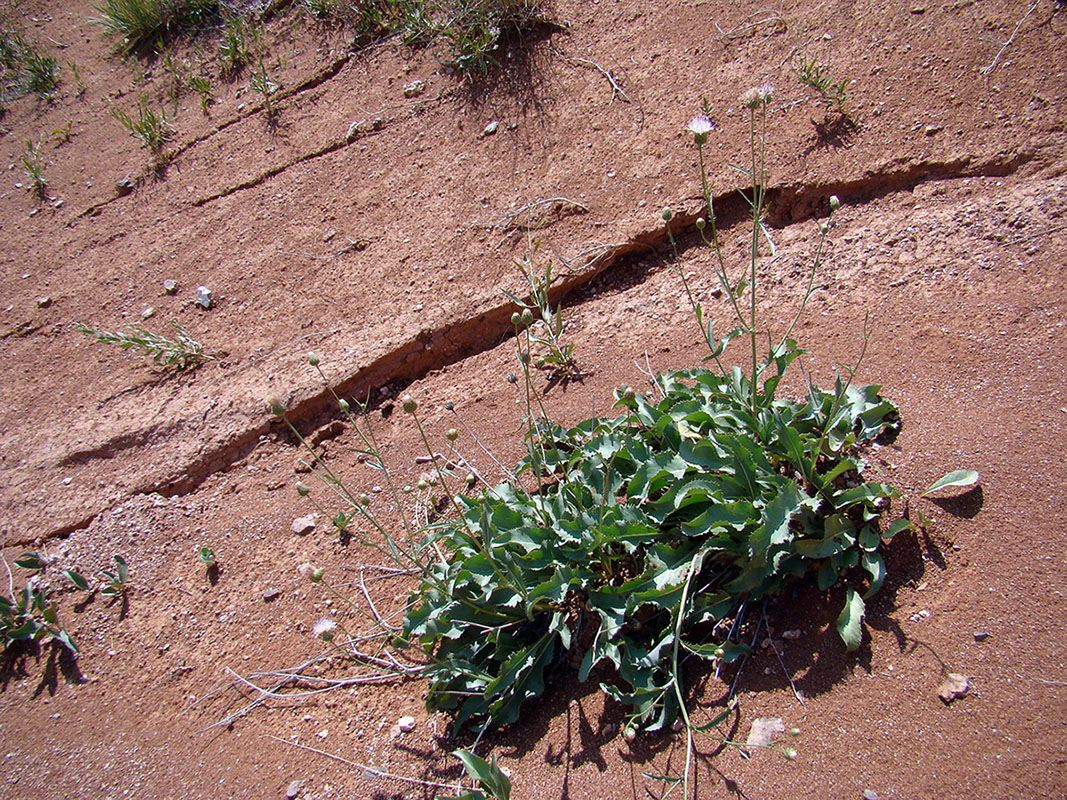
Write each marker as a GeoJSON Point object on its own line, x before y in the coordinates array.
{"type": "Point", "coordinates": [206, 556]}
{"type": "Point", "coordinates": [202, 86]}
{"type": "Point", "coordinates": [151, 128]}
{"type": "Point", "coordinates": [63, 135]}
{"type": "Point", "coordinates": [30, 615]}
{"type": "Point", "coordinates": [115, 583]}
{"type": "Point", "coordinates": [262, 83]}
{"type": "Point", "coordinates": [234, 49]}
{"type": "Point", "coordinates": [79, 84]}
{"type": "Point", "coordinates": [493, 784]}
{"type": "Point", "coordinates": [544, 324]}
{"type": "Point", "coordinates": [182, 352]}
{"type": "Point", "coordinates": [831, 92]}
{"type": "Point", "coordinates": [34, 164]}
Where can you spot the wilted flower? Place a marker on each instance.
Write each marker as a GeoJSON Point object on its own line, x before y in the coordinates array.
{"type": "Point", "coordinates": [700, 126]}
{"type": "Point", "coordinates": [766, 92]}
{"type": "Point", "coordinates": [750, 99]}
{"type": "Point", "coordinates": [324, 629]}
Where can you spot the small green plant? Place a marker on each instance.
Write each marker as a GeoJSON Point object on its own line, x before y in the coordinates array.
{"type": "Point", "coordinates": [492, 783]}
{"type": "Point", "coordinates": [30, 615]}
{"type": "Point", "coordinates": [830, 91]}
{"type": "Point", "coordinates": [151, 128]}
{"type": "Point", "coordinates": [234, 48]}
{"type": "Point", "coordinates": [79, 84]}
{"type": "Point", "coordinates": [202, 86]}
{"type": "Point", "coordinates": [475, 30]}
{"type": "Point", "coordinates": [182, 352]}
{"type": "Point", "coordinates": [63, 135]}
{"type": "Point", "coordinates": [144, 25]}
{"type": "Point", "coordinates": [24, 68]}
{"type": "Point", "coordinates": [543, 326]}
{"type": "Point", "coordinates": [261, 82]}
{"type": "Point", "coordinates": [206, 556]}
{"type": "Point", "coordinates": [33, 163]}
{"type": "Point", "coordinates": [113, 583]}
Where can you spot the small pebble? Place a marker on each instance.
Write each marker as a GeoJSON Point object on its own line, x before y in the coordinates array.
{"type": "Point", "coordinates": [44, 302]}
{"type": "Point", "coordinates": [930, 130]}
{"type": "Point", "coordinates": [123, 187]}
{"type": "Point", "coordinates": [406, 724]}
{"type": "Point", "coordinates": [303, 525]}
{"type": "Point", "coordinates": [414, 89]}
{"type": "Point", "coordinates": [870, 794]}
{"type": "Point", "coordinates": [203, 296]}
{"type": "Point", "coordinates": [491, 128]}
{"type": "Point", "coordinates": [293, 790]}
{"type": "Point", "coordinates": [169, 286]}
{"type": "Point", "coordinates": [980, 636]}
{"type": "Point", "coordinates": [147, 312]}
{"type": "Point", "coordinates": [271, 594]}
{"type": "Point", "coordinates": [791, 635]}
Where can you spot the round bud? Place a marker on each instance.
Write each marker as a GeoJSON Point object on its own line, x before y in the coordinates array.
{"type": "Point", "coordinates": [451, 434]}
{"type": "Point", "coordinates": [824, 228]}
{"type": "Point", "coordinates": [790, 753]}
{"type": "Point", "coordinates": [316, 575]}
{"type": "Point", "coordinates": [524, 357]}
{"type": "Point", "coordinates": [449, 405]}
{"type": "Point", "coordinates": [527, 317]}
{"type": "Point", "coordinates": [275, 404]}
{"type": "Point", "coordinates": [516, 319]}
{"type": "Point", "coordinates": [422, 485]}
{"type": "Point", "coordinates": [512, 378]}
{"type": "Point", "coordinates": [835, 202]}
{"type": "Point", "coordinates": [407, 402]}
{"type": "Point", "coordinates": [302, 490]}
{"type": "Point", "coordinates": [668, 215]}
{"type": "Point", "coordinates": [313, 359]}
{"type": "Point", "coordinates": [364, 500]}
{"type": "Point", "coordinates": [719, 652]}
{"type": "Point", "coordinates": [700, 223]}
{"type": "Point", "coordinates": [471, 480]}
{"type": "Point", "coordinates": [794, 731]}
{"type": "Point", "coordinates": [343, 405]}
{"type": "Point", "coordinates": [327, 636]}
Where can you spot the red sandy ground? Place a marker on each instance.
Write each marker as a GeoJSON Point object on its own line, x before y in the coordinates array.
{"type": "Point", "coordinates": [951, 239]}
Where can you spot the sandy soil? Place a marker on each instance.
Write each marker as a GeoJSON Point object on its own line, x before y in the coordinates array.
{"type": "Point", "coordinates": [379, 229]}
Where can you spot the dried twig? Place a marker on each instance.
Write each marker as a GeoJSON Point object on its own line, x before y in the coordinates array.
{"type": "Point", "coordinates": [615, 88]}
{"type": "Point", "coordinates": [357, 244]}
{"type": "Point", "coordinates": [369, 771]}
{"type": "Point", "coordinates": [993, 64]}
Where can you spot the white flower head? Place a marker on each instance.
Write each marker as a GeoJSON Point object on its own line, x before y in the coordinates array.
{"type": "Point", "coordinates": [324, 629]}
{"type": "Point", "coordinates": [700, 126]}
{"type": "Point", "coordinates": [766, 92]}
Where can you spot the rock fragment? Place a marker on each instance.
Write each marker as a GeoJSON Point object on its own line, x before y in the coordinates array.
{"type": "Point", "coordinates": [953, 687]}
{"type": "Point", "coordinates": [303, 525]}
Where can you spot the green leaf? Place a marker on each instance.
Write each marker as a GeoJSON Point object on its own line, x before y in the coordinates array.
{"type": "Point", "coordinates": [77, 579]}
{"type": "Point", "coordinates": [961, 477]}
{"type": "Point", "coordinates": [30, 560]}
{"type": "Point", "coordinates": [491, 778]}
{"type": "Point", "coordinates": [850, 620]}
{"type": "Point", "coordinates": [875, 565]}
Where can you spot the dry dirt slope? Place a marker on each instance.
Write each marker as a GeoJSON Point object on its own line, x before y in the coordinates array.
{"type": "Point", "coordinates": [952, 236]}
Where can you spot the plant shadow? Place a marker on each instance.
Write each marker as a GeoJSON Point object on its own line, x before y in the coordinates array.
{"type": "Point", "coordinates": [835, 131]}
{"type": "Point", "coordinates": [965, 506]}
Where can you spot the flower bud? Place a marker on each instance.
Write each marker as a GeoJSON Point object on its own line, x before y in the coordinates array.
{"type": "Point", "coordinates": [313, 359]}
{"type": "Point", "coordinates": [835, 202]}
{"type": "Point", "coordinates": [343, 404]}
{"type": "Point", "coordinates": [449, 405]}
{"type": "Point", "coordinates": [668, 215]}
{"type": "Point", "coordinates": [516, 319]}
{"type": "Point", "coordinates": [364, 500]}
{"type": "Point", "coordinates": [512, 378]}
{"type": "Point", "coordinates": [275, 404]}
{"type": "Point", "coordinates": [524, 357]}
{"type": "Point", "coordinates": [422, 485]}
{"type": "Point", "coordinates": [316, 575]}
{"type": "Point", "coordinates": [824, 228]}
{"type": "Point", "coordinates": [527, 317]}
{"type": "Point", "coordinates": [451, 434]}
{"type": "Point", "coordinates": [790, 753]}
{"type": "Point", "coordinates": [700, 223]}
{"type": "Point", "coordinates": [471, 480]}
{"type": "Point", "coordinates": [794, 731]}
{"type": "Point", "coordinates": [302, 490]}
{"type": "Point", "coordinates": [407, 402]}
